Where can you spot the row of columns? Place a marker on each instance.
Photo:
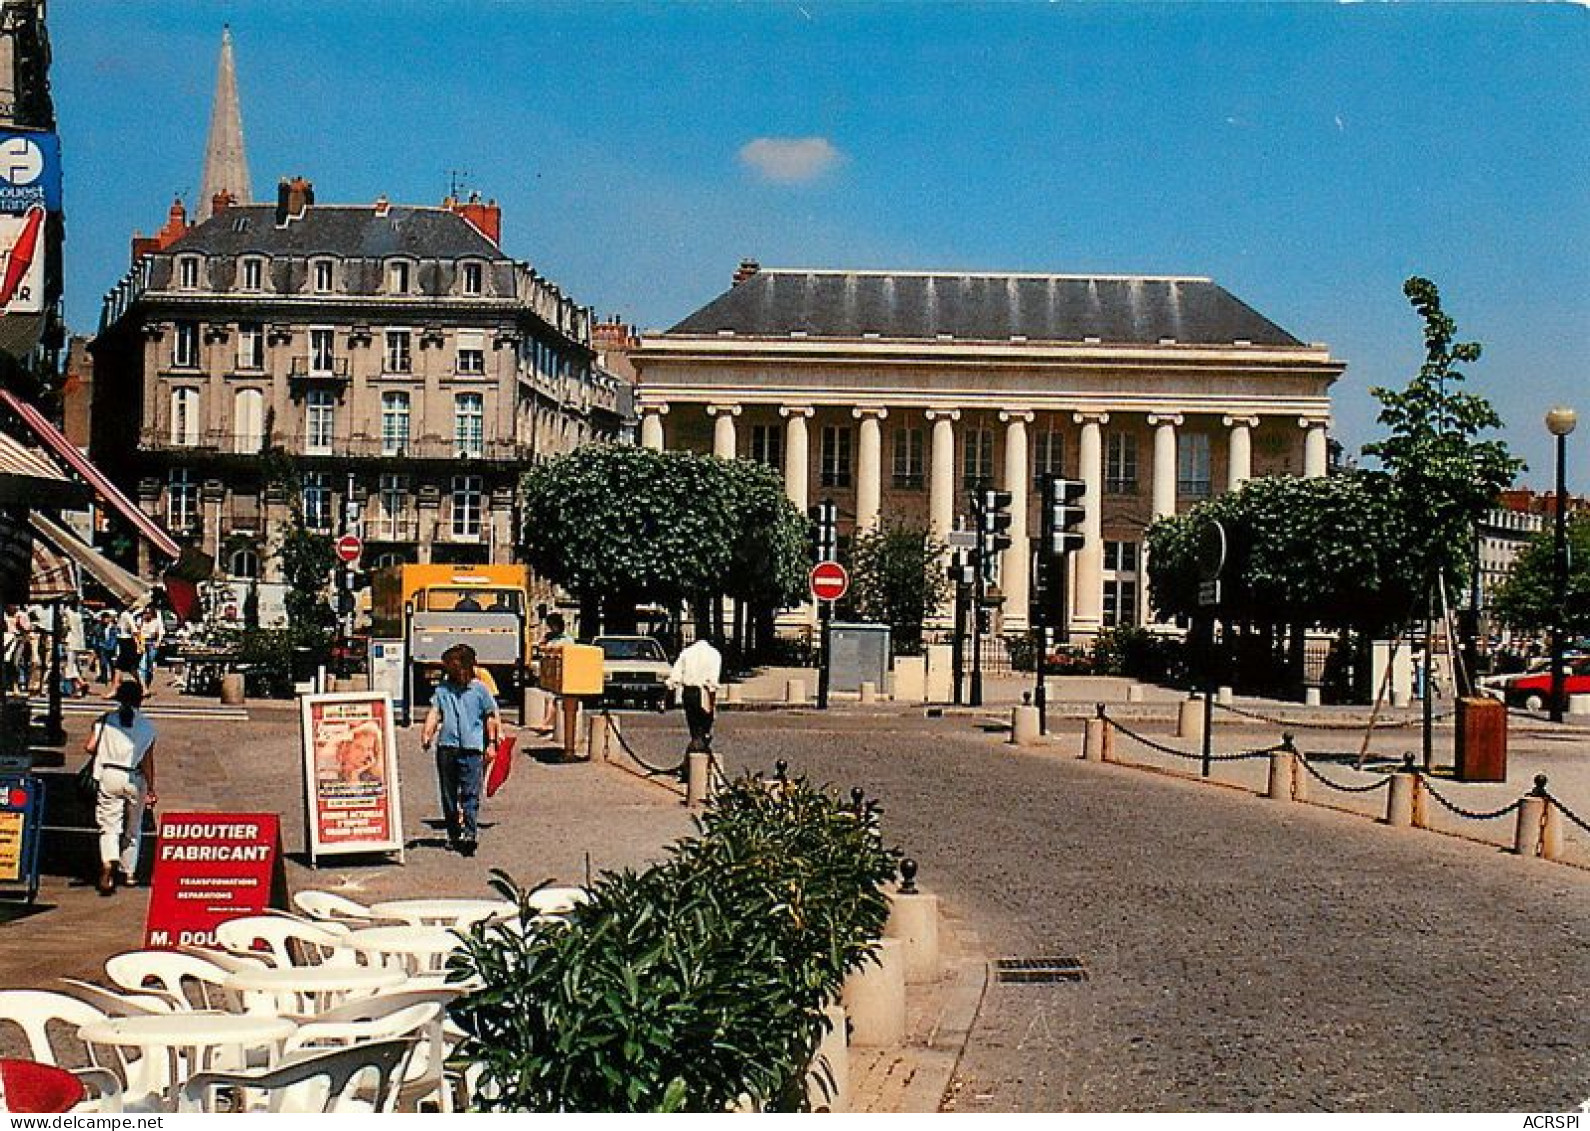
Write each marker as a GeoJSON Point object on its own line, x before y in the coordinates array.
{"type": "Point", "coordinates": [1087, 604]}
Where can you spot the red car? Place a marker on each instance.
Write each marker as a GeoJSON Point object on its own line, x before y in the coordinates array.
{"type": "Point", "coordinates": [1533, 691]}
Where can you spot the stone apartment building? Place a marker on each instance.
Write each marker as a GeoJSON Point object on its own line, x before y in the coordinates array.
{"type": "Point", "coordinates": [395, 355]}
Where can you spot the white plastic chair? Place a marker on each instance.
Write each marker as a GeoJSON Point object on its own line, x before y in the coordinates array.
{"type": "Point", "coordinates": [226, 960]}
{"type": "Point", "coordinates": [178, 978]}
{"type": "Point", "coordinates": [325, 907]}
{"type": "Point", "coordinates": [392, 1014]}
{"type": "Point", "coordinates": [283, 941]}
{"type": "Point", "coordinates": [115, 1004]}
{"type": "Point", "coordinates": [49, 1023]}
{"type": "Point", "coordinates": [358, 1078]}
{"type": "Point", "coordinates": [102, 1091]}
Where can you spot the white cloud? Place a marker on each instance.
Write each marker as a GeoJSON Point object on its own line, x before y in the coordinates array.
{"type": "Point", "coordinates": [790, 160]}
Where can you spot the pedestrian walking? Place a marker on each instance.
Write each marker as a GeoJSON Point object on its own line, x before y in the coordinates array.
{"type": "Point", "coordinates": [129, 648]}
{"type": "Point", "coordinates": [152, 634]}
{"type": "Point", "coordinates": [556, 637]}
{"type": "Point", "coordinates": [463, 724]}
{"type": "Point", "coordinates": [18, 650]}
{"type": "Point", "coordinates": [695, 678]}
{"type": "Point", "coordinates": [123, 748]}
{"type": "Point", "coordinates": [105, 646]}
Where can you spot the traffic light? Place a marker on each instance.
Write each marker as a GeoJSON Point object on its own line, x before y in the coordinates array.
{"type": "Point", "coordinates": [993, 520]}
{"type": "Point", "coordinates": [961, 569]}
{"type": "Point", "coordinates": [1063, 514]}
{"type": "Point", "coordinates": [825, 531]}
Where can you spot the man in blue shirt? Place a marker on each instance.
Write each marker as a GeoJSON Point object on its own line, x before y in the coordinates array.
{"type": "Point", "coordinates": [463, 723]}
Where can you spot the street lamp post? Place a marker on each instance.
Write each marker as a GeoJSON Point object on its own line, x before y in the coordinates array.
{"type": "Point", "coordinates": [1560, 422]}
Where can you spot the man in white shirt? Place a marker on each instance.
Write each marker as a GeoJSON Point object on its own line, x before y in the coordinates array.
{"type": "Point", "coordinates": [695, 677]}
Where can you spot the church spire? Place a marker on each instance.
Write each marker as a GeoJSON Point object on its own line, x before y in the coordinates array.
{"type": "Point", "coordinates": [225, 165]}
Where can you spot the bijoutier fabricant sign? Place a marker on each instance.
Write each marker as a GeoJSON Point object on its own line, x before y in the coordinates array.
{"type": "Point", "coordinates": [351, 798]}
{"type": "Point", "coordinates": [211, 867]}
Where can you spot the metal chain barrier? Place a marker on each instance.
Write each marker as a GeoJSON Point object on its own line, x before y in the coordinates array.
{"type": "Point", "coordinates": [1302, 758]}
{"type": "Point", "coordinates": [1301, 724]}
{"type": "Point", "coordinates": [1471, 814]}
{"type": "Point", "coordinates": [623, 744]}
{"type": "Point", "coordinates": [1237, 756]}
{"type": "Point", "coordinates": [1551, 799]}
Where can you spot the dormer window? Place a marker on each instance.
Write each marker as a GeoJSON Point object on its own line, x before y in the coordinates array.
{"type": "Point", "coordinates": [322, 276]}
{"type": "Point", "coordinates": [253, 274]}
{"type": "Point", "coordinates": [398, 277]}
{"type": "Point", "coordinates": [472, 277]}
{"type": "Point", "coordinates": [188, 272]}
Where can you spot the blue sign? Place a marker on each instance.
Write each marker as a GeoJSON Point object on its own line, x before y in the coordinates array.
{"type": "Point", "coordinates": [30, 171]}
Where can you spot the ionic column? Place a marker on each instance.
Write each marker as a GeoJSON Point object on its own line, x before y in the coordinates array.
{"type": "Point", "coordinates": [869, 467]}
{"type": "Point", "coordinates": [797, 454]}
{"type": "Point", "coordinates": [1014, 571]}
{"type": "Point", "coordinates": [1314, 447]}
{"type": "Point", "coordinates": [1088, 594]}
{"type": "Point", "coordinates": [724, 445]}
{"type": "Point", "coordinates": [1164, 425]}
{"type": "Point", "coordinates": [941, 487]}
{"type": "Point", "coordinates": [1239, 455]}
{"type": "Point", "coordinates": [651, 425]}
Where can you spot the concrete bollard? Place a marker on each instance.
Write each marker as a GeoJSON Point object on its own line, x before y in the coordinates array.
{"type": "Point", "coordinates": [1311, 697]}
{"type": "Point", "coordinates": [1400, 698]}
{"type": "Point", "coordinates": [1135, 693]}
{"type": "Point", "coordinates": [1299, 779]}
{"type": "Point", "coordinates": [232, 689]}
{"type": "Point", "coordinates": [1225, 696]}
{"type": "Point", "coordinates": [874, 997]}
{"type": "Point", "coordinates": [698, 779]}
{"type": "Point", "coordinates": [869, 693]}
{"type": "Point", "coordinates": [1095, 733]}
{"type": "Point", "coordinates": [1527, 836]}
{"type": "Point", "coordinates": [603, 738]}
{"type": "Point", "coordinates": [828, 1083]}
{"type": "Point", "coordinates": [795, 692]}
{"type": "Point", "coordinates": [1190, 719]}
{"type": "Point", "coordinates": [733, 693]}
{"type": "Point", "coordinates": [1399, 800]}
{"type": "Point", "coordinates": [1579, 705]}
{"type": "Point", "coordinates": [914, 920]}
{"type": "Point", "coordinates": [1551, 834]}
{"type": "Point", "coordinates": [1023, 726]}
{"type": "Point", "coordinates": [1282, 774]}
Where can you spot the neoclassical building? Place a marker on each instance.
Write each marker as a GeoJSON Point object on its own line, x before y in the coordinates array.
{"type": "Point", "coordinates": [896, 393]}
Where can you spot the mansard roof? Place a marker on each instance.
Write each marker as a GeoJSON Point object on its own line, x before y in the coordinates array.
{"type": "Point", "coordinates": [984, 307]}
{"type": "Point", "coordinates": [344, 230]}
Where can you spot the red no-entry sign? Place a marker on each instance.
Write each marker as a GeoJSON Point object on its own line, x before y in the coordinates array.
{"type": "Point", "coordinates": [829, 581]}
{"type": "Point", "coordinates": [349, 547]}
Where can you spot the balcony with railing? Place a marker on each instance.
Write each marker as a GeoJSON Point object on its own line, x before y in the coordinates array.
{"type": "Point", "coordinates": [313, 372]}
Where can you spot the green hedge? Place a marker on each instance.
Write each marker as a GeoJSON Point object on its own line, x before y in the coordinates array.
{"type": "Point", "coordinates": [693, 985]}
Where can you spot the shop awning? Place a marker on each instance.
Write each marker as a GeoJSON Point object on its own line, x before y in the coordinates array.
{"type": "Point", "coordinates": [107, 491]}
{"type": "Point", "coordinates": [30, 480]}
{"type": "Point", "coordinates": [122, 585]}
{"type": "Point", "coordinates": [53, 575]}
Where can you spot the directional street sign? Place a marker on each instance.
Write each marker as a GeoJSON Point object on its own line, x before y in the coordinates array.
{"type": "Point", "coordinates": [829, 581]}
{"type": "Point", "coordinates": [961, 539]}
{"type": "Point", "coordinates": [349, 547]}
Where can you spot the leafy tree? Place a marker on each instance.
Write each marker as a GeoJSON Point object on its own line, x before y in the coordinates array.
{"type": "Point", "coordinates": [1527, 600]}
{"type": "Point", "coordinates": [1444, 477]}
{"type": "Point", "coordinates": [307, 559]}
{"type": "Point", "coordinates": [896, 578]}
{"type": "Point", "coordinates": [621, 525]}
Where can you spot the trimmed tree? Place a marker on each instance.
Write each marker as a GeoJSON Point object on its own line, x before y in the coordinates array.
{"type": "Point", "coordinates": [897, 579]}
{"type": "Point", "coordinates": [1527, 600]}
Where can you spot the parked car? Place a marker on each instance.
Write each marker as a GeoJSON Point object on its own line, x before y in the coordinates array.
{"type": "Point", "coordinates": [635, 670]}
{"type": "Point", "coordinates": [1532, 690]}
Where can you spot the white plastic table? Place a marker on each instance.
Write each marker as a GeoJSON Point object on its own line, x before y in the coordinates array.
{"type": "Point", "coordinates": [313, 989]}
{"type": "Point", "coordinates": [443, 912]}
{"type": "Point", "coordinates": [419, 949]}
{"type": "Point", "coordinates": [192, 1041]}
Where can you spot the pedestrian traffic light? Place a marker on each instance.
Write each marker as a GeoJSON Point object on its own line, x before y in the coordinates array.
{"type": "Point", "coordinates": [825, 531]}
{"type": "Point", "coordinates": [961, 570]}
{"type": "Point", "coordinates": [1064, 512]}
{"type": "Point", "coordinates": [993, 520]}
{"type": "Point", "coordinates": [985, 620]}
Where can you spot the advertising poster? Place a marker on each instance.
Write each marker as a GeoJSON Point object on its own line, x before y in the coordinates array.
{"type": "Point", "coordinates": [211, 867]}
{"type": "Point", "coordinates": [22, 253]}
{"type": "Point", "coordinates": [386, 669]}
{"type": "Point", "coordinates": [350, 774]}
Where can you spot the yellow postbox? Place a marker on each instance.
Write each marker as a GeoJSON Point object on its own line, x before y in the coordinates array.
{"type": "Point", "coordinates": [572, 669]}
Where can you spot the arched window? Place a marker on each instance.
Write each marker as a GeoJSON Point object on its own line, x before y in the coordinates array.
{"type": "Point", "coordinates": [248, 421]}
{"type": "Point", "coordinates": [185, 418]}
{"type": "Point", "coordinates": [243, 564]}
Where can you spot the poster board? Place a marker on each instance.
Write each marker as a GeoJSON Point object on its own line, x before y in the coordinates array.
{"type": "Point", "coordinates": [387, 658]}
{"type": "Point", "coordinates": [350, 775]}
{"type": "Point", "coordinates": [211, 867]}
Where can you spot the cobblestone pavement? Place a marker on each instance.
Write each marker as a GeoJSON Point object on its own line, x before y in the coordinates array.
{"type": "Point", "coordinates": [1241, 954]}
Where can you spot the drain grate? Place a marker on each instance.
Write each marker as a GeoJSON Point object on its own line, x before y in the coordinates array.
{"type": "Point", "coordinates": [1062, 968]}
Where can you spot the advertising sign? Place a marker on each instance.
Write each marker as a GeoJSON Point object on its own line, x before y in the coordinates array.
{"type": "Point", "coordinates": [21, 819]}
{"type": "Point", "coordinates": [386, 669]}
{"type": "Point", "coordinates": [212, 867]}
{"type": "Point", "coordinates": [12, 827]}
{"type": "Point", "coordinates": [30, 171]}
{"type": "Point", "coordinates": [351, 798]}
{"type": "Point", "coordinates": [22, 254]}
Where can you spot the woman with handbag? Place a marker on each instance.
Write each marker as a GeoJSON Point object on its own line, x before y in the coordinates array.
{"type": "Point", "coordinates": [123, 751]}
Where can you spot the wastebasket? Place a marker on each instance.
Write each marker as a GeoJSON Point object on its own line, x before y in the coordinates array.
{"type": "Point", "coordinates": [1481, 739]}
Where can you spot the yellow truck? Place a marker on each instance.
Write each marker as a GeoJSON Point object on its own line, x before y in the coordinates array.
{"type": "Point", "coordinates": [433, 607]}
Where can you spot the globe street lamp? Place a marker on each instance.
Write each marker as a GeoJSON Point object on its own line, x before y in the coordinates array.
{"type": "Point", "coordinates": [1560, 421]}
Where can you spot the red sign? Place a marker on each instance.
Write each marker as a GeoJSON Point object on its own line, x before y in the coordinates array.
{"type": "Point", "coordinates": [211, 867]}
{"type": "Point", "coordinates": [349, 547]}
{"type": "Point", "coordinates": [829, 581]}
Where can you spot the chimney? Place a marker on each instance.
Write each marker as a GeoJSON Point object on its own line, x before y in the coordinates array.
{"type": "Point", "coordinates": [221, 201]}
{"type": "Point", "coordinates": [293, 199]}
{"type": "Point", "coordinates": [382, 205]}
{"type": "Point", "coordinates": [747, 268]}
{"type": "Point", "coordinates": [175, 228]}
{"type": "Point", "coordinates": [614, 333]}
{"type": "Point", "coordinates": [484, 218]}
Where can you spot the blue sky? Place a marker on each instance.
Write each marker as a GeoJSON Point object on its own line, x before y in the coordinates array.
{"type": "Point", "coordinates": [1308, 157]}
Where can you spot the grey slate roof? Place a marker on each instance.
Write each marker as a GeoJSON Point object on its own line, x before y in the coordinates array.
{"type": "Point", "coordinates": [977, 307]}
{"type": "Point", "coordinates": [345, 230]}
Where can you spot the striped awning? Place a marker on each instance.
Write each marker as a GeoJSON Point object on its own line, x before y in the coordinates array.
{"type": "Point", "coordinates": [53, 574]}
{"type": "Point", "coordinates": [28, 478]}
{"type": "Point", "coordinates": [122, 585]}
